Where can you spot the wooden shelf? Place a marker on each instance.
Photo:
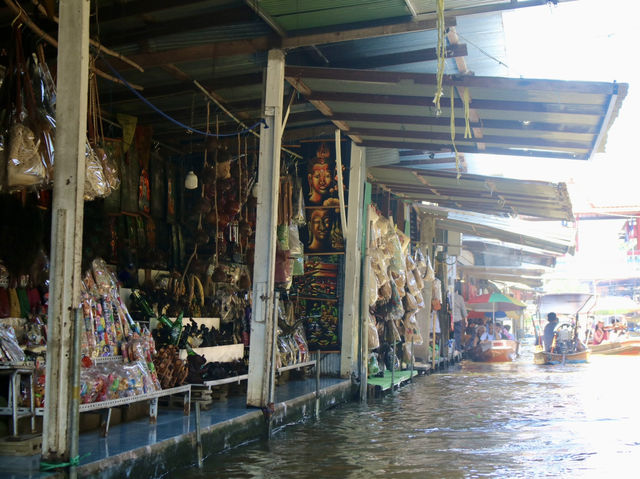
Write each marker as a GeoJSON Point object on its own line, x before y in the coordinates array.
{"type": "Point", "coordinates": [220, 382]}
{"type": "Point", "coordinates": [296, 366]}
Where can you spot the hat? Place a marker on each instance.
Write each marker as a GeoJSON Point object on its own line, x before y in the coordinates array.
{"type": "Point", "coordinates": [552, 317]}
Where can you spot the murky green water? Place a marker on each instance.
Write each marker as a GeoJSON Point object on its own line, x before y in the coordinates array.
{"type": "Point", "coordinates": [512, 420]}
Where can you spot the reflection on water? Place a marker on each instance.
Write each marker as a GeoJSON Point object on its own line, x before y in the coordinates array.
{"type": "Point", "coordinates": [515, 420]}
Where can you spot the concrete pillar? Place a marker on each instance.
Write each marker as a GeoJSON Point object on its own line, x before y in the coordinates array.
{"type": "Point", "coordinates": [66, 228]}
{"type": "Point", "coordinates": [351, 315]}
{"type": "Point", "coordinates": [266, 233]}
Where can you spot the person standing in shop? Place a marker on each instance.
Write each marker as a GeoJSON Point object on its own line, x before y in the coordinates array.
{"type": "Point", "coordinates": [459, 316]}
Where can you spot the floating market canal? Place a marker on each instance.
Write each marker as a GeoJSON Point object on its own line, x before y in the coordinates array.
{"type": "Point", "coordinates": [515, 420]}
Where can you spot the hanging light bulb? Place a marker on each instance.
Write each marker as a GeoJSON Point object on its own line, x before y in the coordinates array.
{"type": "Point", "coordinates": [191, 181]}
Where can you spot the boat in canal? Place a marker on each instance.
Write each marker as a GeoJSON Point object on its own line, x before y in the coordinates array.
{"type": "Point", "coordinates": [556, 357]}
{"type": "Point", "coordinates": [567, 348]}
{"type": "Point", "coordinates": [498, 351]}
{"type": "Point", "coordinates": [614, 338]}
{"type": "Point", "coordinates": [622, 347]}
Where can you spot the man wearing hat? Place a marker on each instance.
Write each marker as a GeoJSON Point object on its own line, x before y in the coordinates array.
{"type": "Point", "coordinates": [549, 330]}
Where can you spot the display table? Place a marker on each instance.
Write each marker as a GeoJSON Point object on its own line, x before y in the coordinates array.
{"type": "Point", "coordinates": [15, 371]}
{"type": "Point", "coordinates": [105, 406]}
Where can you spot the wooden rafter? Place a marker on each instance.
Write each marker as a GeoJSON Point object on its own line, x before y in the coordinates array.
{"type": "Point", "coordinates": [480, 104]}
{"type": "Point", "coordinates": [445, 122]}
{"type": "Point", "coordinates": [521, 84]}
{"type": "Point", "coordinates": [521, 141]}
{"type": "Point", "coordinates": [401, 58]}
{"type": "Point", "coordinates": [436, 148]}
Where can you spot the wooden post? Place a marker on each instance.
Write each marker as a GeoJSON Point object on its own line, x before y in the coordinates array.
{"type": "Point", "coordinates": [351, 313]}
{"type": "Point", "coordinates": [363, 347]}
{"type": "Point", "coordinates": [266, 226]}
{"type": "Point", "coordinates": [66, 227]}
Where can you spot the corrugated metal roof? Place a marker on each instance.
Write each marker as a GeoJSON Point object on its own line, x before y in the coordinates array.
{"type": "Point", "coordinates": [429, 6]}
{"type": "Point", "coordinates": [524, 117]}
{"type": "Point", "coordinates": [294, 15]}
{"type": "Point", "coordinates": [546, 236]}
{"type": "Point", "coordinates": [484, 194]}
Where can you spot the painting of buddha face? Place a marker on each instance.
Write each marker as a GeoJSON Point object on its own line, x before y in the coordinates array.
{"type": "Point", "coordinates": [320, 176]}
{"type": "Point", "coordinates": [320, 223]}
{"type": "Point", "coordinates": [319, 182]}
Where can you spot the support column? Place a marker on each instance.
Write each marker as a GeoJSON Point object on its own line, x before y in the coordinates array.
{"type": "Point", "coordinates": [66, 228]}
{"type": "Point", "coordinates": [351, 315]}
{"type": "Point", "coordinates": [363, 347]}
{"type": "Point", "coordinates": [266, 233]}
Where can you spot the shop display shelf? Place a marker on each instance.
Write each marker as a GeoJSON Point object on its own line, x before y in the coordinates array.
{"type": "Point", "coordinates": [297, 366]}
{"type": "Point", "coordinates": [105, 406]}
{"type": "Point", "coordinates": [20, 412]}
{"type": "Point", "coordinates": [131, 399]}
{"type": "Point", "coordinates": [220, 382]}
{"type": "Point", "coordinates": [107, 359]}
{"type": "Point", "coordinates": [28, 365]}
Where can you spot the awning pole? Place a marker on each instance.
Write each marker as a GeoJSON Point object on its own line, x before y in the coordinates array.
{"type": "Point", "coordinates": [66, 230]}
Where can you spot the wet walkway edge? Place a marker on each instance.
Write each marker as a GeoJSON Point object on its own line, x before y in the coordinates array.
{"type": "Point", "coordinates": [180, 451]}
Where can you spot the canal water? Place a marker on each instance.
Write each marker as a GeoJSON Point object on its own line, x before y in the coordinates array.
{"type": "Point", "coordinates": [515, 420]}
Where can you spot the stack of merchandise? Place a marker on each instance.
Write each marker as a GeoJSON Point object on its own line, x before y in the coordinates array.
{"type": "Point", "coordinates": [10, 350]}
{"type": "Point", "coordinates": [107, 323]}
{"type": "Point", "coordinates": [395, 296]}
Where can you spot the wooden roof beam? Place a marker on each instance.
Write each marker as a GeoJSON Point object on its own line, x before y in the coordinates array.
{"type": "Point", "coordinates": [480, 104]}
{"type": "Point", "coordinates": [377, 76]}
{"type": "Point", "coordinates": [402, 58]}
{"type": "Point", "coordinates": [445, 122]}
{"type": "Point", "coordinates": [303, 89]}
{"type": "Point", "coordinates": [415, 25]}
{"type": "Point", "coordinates": [523, 142]}
{"type": "Point", "coordinates": [268, 19]}
{"type": "Point", "coordinates": [438, 148]}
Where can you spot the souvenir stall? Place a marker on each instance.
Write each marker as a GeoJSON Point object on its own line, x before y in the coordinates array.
{"type": "Point", "coordinates": [396, 274]}
{"type": "Point", "coordinates": [168, 249]}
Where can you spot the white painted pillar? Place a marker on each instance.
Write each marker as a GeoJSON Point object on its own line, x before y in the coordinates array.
{"type": "Point", "coordinates": [66, 227]}
{"type": "Point", "coordinates": [351, 315]}
{"type": "Point", "coordinates": [266, 233]}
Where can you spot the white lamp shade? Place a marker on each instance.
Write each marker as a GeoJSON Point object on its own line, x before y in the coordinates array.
{"type": "Point", "coordinates": [191, 181]}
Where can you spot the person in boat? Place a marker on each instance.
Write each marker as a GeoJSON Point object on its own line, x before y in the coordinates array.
{"type": "Point", "coordinates": [469, 337]}
{"type": "Point", "coordinates": [506, 334]}
{"type": "Point", "coordinates": [489, 335]}
{"type": "Point", "coordinates": [600, 334]}
{"type": "Point", "coordinates": [480, 332]}
{"type": "Point", "coordinates": [495, 329]}
{"type": "Point", "coordinates": [549, 331]}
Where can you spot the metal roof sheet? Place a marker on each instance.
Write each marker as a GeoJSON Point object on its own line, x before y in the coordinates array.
{"type": "Point", "coordinates": [524, 117]}
{"type": "Point", "coordinates": [294, 15]}
{"type": "Point", "coordinates": [545, 236]}
{"type": "Point", "coordinates": [483, 194]}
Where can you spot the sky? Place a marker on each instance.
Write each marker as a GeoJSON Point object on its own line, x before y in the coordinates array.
{"type": "Point", "coordinates": [586, 40]}
{"type": "Point", "coordinates": [582, 40]}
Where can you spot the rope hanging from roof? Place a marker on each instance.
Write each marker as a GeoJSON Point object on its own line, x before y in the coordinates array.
{"type": "Point", "coordinates": [465, 102]}
{"type": "Point", "coordinates": [453, 132]}
{"type": "Point", "coordinates": [441, 52]}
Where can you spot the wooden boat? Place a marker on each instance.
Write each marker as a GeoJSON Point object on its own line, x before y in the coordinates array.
{"type": "Point", "coordinates": [543, 357]}
{"type": "Point", "coordinates": [499, 351]}
{"type": "Point", "coordinates": [623, 347]}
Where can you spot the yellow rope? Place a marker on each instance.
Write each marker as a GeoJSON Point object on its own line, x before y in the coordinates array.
{"type": "Point", "coordinates": [441, 52]}
{"type": "Point", "coordinates": [465, 101]}
{"type": "Point", "coordinates": [453, 132]}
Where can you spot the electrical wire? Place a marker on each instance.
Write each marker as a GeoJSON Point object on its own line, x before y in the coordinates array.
{"type": "Point", "coordinates": [173, 120]}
